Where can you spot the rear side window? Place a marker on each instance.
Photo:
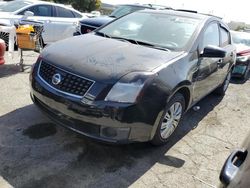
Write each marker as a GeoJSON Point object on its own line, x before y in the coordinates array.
{"type": "Point", "coordinates": [40, 10]}
{"type": "Point", "coordinates": [64, 13]}
{"type": "Point", "coordinates": [225, 37]}
{"type": "Point", "coordinates": [211, 36]}
{"type": "Point", "coordinates": [77, 15]}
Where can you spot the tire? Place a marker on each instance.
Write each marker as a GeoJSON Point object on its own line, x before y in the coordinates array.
{"type": "Point", "coordinates": [221, 90]}
{"type": "Point", "coordinates": [170, 119]}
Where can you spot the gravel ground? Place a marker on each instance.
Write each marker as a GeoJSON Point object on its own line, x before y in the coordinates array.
{"type": "Point", "coordinates": [36, 153]}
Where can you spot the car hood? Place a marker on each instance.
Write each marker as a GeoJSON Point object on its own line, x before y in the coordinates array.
{"type": "Point", "coordinates": [104, 59]}
{"type": "Point", "coordinates": [97, 22]}
{"type": "Point", "coordinates": [5, 22]}
{"type": "Point", "coordinates": [6, 14]}
{"type": "Point", "coordinates": [241, 47]}
{"type": "Point", "coordinates": [8, 18]}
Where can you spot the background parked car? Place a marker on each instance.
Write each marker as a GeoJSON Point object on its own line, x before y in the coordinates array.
{"type": "Point", "coordinates": [88, 25]}
{"type": "Point", "coordinates": [134, 78]}
{"type": "Point", "coordinates": [59, 20]}
{"type": "Point", "coordinates": [242, 42]}
{"type": "Point", "coordinates": [236, 170]}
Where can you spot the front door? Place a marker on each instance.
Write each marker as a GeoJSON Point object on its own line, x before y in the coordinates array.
{"type": "Point", "coordinates": [207, 77]}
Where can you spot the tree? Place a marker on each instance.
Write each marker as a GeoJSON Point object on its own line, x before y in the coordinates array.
{"type": "Point", "coordinates": [86, 5]}
{"type": "Point", "coordinates": [81, 5]}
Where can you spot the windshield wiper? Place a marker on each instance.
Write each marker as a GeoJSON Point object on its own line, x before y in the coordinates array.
{"type": "Point", "coordinates": [142, 43]}
{"type": "Point", "coordinates": [133, 41]}
{"type": "Point", "coordinates": [152, 45]}
{"type": "Point", "coordinates": [125, 39]}
{"type": "Point", "coordinates": [102, 34]}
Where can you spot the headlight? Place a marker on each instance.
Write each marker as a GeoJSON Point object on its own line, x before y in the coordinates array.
{"type": "Point", "coordinates": [128, 88]}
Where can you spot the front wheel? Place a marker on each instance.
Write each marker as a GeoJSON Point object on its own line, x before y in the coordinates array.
{"type": "Point", "coordinates": [221, 90]}
{"type": "Point", "coordinates": [170, 119]}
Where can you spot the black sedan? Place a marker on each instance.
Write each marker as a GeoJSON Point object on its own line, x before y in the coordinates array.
{"type": "Point", "coordinates": [132, 80]}
{"type": "Point", "coordinates": [242, 65]}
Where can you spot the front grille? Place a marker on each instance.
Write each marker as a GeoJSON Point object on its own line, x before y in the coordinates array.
{"type": "Point", "coordinates": [87, 28]}
{"type": "Point", "coordinates": [70, 83]}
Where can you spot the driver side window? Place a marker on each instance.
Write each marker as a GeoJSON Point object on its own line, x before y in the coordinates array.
{"type": "Point", "coordinates": [211, 36]}
{"type": "Point", "coordinates": [39, 10]}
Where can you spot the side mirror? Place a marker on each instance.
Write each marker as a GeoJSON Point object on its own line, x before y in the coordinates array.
{"type": "Point", "coordinates": [28, 13]}
{"type": "Point", "coordinates": [213, 51]}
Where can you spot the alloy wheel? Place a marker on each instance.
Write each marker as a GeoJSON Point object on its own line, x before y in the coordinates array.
{"type": "Point", "coordinates": [171, 120]}
{"type": "Point", "coordinates": [5, 36]}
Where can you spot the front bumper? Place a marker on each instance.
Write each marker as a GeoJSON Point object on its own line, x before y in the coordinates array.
{"type": "Point", "coordinates": [77, 33]}
{"type": "Point", "coordinates": [104, 121]}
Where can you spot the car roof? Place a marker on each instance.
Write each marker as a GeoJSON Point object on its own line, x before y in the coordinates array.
{"type": "Point", "coordinates": [37, 2]}
{"type": "Point", "coordinates": [184, 13]}
{"type": "Point", "coordinates": [149, 6]}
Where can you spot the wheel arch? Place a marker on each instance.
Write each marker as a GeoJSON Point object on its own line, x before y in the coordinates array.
{"type": "Point", "coordinates": [184, 89]}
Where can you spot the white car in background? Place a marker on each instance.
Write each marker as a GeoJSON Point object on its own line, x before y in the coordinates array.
{"type": "Point", "coordinates": [59, 21]}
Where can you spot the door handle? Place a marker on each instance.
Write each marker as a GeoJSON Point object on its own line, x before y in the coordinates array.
{"type": "Point", "coordinates": [220, 61]}
{"type": "Point", "coordinates": [231, 166]}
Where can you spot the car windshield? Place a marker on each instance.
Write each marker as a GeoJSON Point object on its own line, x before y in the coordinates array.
{"type": "Point", "coordinates": [13, 6]}
{"type": "Point", "coordinates": [124, 9]}
{"type": "Point", "coordinates": [241, 38]}
{"type": "Point", "coordinates": [156, 29]}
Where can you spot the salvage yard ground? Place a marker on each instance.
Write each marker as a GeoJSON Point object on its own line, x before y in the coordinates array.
{"type": "Point", "coordinates": [36, 153]}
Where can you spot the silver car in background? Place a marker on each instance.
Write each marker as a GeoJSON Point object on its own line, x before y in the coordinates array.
{"type": "Point", "coordinates": [59, 20]}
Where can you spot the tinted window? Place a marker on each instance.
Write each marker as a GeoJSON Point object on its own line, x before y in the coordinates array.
{"type": "Point", "coordinates": [225, 37]}
{"type": "Point", "coordinates": [64, 13]}
{"type": "Point", "coordinates": [40, 10]}
{"type": "Point", "coordinates": [77, 15]}
{"type": "Point", "coordinates": [241, 38]}
{"type": "Point", "coordinates": [125, 9]}
{"type": "Point", "coordinates": [211, 36]}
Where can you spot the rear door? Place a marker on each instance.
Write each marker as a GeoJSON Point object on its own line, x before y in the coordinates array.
{"type": "Point", "coordinates": [65, 22]}
{"type": "Point", "coordinates": [226, 44]}
{"type": "Point", "coordinates": [207, 77]}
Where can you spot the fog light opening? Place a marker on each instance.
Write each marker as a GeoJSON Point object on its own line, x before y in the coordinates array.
{"type": "Point", "coordinates": [115, 133]}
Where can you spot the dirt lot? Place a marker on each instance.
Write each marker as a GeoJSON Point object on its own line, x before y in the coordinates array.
{"type": "Point", "coordinates": [36, 153]}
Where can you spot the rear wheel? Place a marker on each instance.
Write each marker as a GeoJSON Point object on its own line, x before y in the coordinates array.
{"type": "Point", "coordinates": [221, 90]}
{"type": "Point", "coordinates": [170, 119]}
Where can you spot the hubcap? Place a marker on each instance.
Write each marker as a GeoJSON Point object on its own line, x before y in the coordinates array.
{"type": "Point", "coordinates": [171, 120]}
{"type": "Point", "coordinates": [5, 36]}
{"type": "Point", "coordinates": [227, 81]}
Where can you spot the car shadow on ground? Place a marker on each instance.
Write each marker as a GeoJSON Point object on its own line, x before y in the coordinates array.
{"type": "Point", "coordinates": [7, 70]}
{"type": "Point", "coordinates": [36, 153]}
